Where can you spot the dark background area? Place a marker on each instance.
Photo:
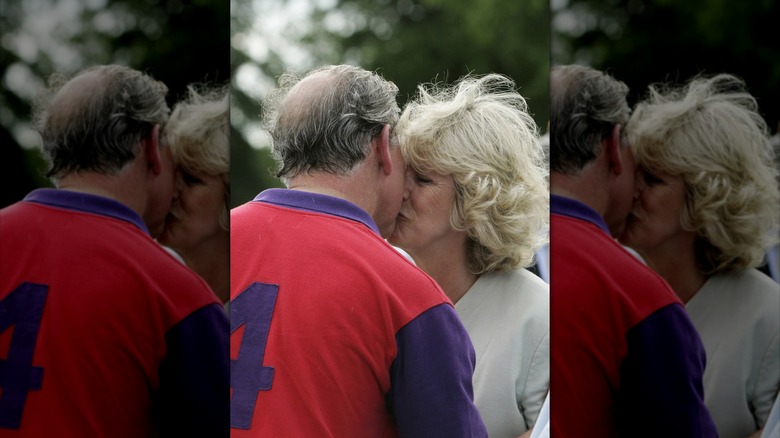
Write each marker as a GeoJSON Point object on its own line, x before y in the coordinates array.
{"type": "Point", "coordinates": [643, 42]}
{"type": "Point", "coordinates": [176, 42]}
{"type": "Point", "coordinates": [407, 41]}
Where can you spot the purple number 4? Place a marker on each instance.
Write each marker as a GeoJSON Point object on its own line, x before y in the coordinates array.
{"type": "Point", "coordinates": [253, 307]}
{"type": "Point", "coordinates": [22, 309]}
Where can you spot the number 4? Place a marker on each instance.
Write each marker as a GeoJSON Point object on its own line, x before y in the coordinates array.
{"type": "Point", "coordinates": [23, 309]}
{"type": "Point", "coordinates": [253, 307]}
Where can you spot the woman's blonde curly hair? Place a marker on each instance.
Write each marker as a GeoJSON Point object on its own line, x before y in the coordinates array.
{"type": "Point", "coordinates": [479, 132]}
{"type": "Point", "coordinates": [198, 132]}
{"type": "Point", "coordinates": [711, 134]}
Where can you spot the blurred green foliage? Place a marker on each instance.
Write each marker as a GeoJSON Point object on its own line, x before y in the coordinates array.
{"type": "Point", "coordinates": [644, 41]}
{"type": "Point", "coordinates": [412, 42]}
{"type": "Point", "coordinates": [176, 42]}
{"type": "Point", "coordinates": [408, 41]}
{"type": "Point", "coordinates": [418, 41]}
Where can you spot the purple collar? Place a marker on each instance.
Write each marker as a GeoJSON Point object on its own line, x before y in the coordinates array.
{"type": "Point", "coordinates": [576, 209]}
{"type": "Point", "coordinates": [317, 203]}
{"type": "Point", "coordinates": [88, 203]}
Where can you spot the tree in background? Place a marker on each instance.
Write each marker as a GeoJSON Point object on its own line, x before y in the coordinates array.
{"type": "Point", "coordinates": [251, 167]}
{"type": "Point", "coordinates": [415, 41]}
{"type": "Point", "coordinates": [647, 41]}
{"type": "Point", "coordinates": [175, 41]}
{"type": "Point", "coordinates": [408, 41]}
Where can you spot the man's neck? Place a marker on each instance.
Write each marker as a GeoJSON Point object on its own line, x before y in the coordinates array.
{"type": "Point", "coordinates": [126, 187]}
{"type": "Point", "coordinates": [319, 189]}
{"type": "Point", "coordinates": [583, 188]}
{"type": "Point", "coordinates": [107, 186]}
{"type": "Point", "coordinates": [354, 188]}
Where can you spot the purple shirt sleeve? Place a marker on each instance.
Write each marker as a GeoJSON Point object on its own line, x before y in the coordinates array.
{"type": "Point", "coordinates": [661, 379]}
{"type": "Point", "coordinates": [194, 394]}
{"type": "Point", "coordinates": [431, 391]}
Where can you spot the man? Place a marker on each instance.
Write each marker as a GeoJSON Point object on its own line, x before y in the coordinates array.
{"type": "Point", "coordinates": [626, 360]}
{"type": "Point", "coordinates": [102, 332]}
{"type": "Point", "coordinates": [333, 332]}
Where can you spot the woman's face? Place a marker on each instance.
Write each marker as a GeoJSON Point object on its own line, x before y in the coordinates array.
{"type": "Point", "coordinates": [424, 220]}
{"type": "Point", "coordinates": [194, 216]}
{"type": "Point", "coordinates": [655, 218]}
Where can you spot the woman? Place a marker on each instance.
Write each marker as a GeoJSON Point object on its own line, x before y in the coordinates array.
{"type": "Point", "coordinates": [197, 227]}
{"type": "Point", "coordinates": [476, 210]}
{"type": "Point", "coordinates": [707, 201]}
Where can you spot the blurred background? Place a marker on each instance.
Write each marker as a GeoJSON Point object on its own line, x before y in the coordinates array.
{"type": "Point", "coordinates": [642, 42]}
{"type": "Point", "coordinates": [407, 41]}
{"type": "Point", "coordinates": [176, 41]}
{"type": "Point", "coordinates": [251, 42]}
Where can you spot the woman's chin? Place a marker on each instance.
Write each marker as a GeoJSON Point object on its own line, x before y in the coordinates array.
{"type": "Point", "coordinates": [395, 235]}
{"type": "Point", "coordinates": [631, 239]}
{"type": "Point", "coordinates": [397, 238]}
{"type": "Point", "coordinates": [167, 237]}
{"type": "Point", "coordinates": [393, 238]}
{"type": "Point", "coordinates": [627, 234]}
{"type": "Point", "coordinates": [624, 236]}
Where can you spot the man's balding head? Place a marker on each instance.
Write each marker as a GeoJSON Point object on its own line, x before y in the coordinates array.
{"type": "Point", "coordinates": [96, 120]}
{"type": "Point", "coordinates": [325, 121]}
{"type": "Point", "coordinates": [585, 106]}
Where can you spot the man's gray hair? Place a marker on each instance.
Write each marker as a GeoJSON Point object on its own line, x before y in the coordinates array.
{"type": "Point", "coordinates": [328, 128]}
{"type": "Point", "coordinates": [585, 106]}
{"type": "Point", "coordinates": [97, 125]}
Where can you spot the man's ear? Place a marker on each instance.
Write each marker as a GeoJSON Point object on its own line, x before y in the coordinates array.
{"type": "Point", "coordinates": [382, 144]}
{"type": "Point", "coordinates": [614, 151]}
{"type": "Point", "coordinates": [151, 148]}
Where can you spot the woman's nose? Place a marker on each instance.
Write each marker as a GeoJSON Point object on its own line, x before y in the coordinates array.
{"type": "Point", "coordinates": [408, 185]}
{"type": "Point", "coordinates": [178, 183]}
{"type": "Point", "coordinates": [639, 184]}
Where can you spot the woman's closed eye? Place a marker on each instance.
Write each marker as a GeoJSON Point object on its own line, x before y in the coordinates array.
{"type": "Point", "coordinates": [190, 179]}
{"type": "Point", "coordinates": [651, 179]}
{"type": "Point", "coordinates": [422, 179]}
